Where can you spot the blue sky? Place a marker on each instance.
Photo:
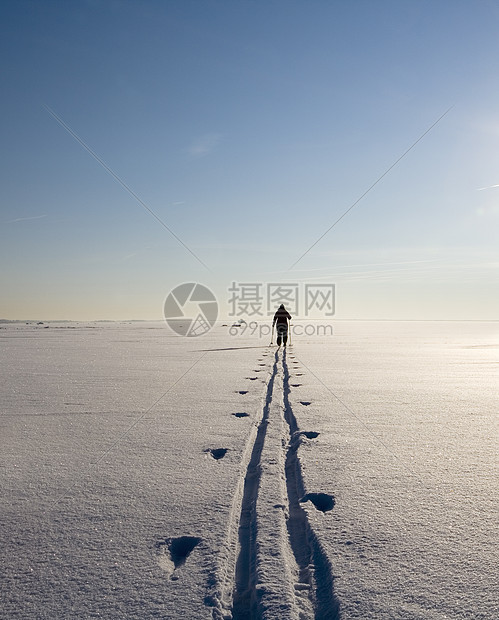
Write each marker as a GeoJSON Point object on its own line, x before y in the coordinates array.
{"type": "Point", "coordinates": [248, 128]}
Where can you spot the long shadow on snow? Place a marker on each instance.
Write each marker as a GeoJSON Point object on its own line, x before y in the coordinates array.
{"type": "Point", "coordinates": [244, 605]}
{"type": "Point", "coordinates": [306, 547]}
{"type": "Point", "coordinates": [232, 348]}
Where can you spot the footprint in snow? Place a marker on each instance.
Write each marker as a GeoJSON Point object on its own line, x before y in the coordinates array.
{"type": "Point", "coordinates": [217, 453]}
{"type": "Point", "coordinates": [173, 552]}
{"type": "Point", "coordinates": [310, 434]}
{"type": "Point", "coordinates": [322, 501]}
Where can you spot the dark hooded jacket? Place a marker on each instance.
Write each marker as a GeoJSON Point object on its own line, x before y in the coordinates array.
{"type": "Point", "coordinates": [282, 316]}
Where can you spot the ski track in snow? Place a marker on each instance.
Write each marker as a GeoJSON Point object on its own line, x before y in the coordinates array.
{"type": "Point", "coordinates": [273, 564]}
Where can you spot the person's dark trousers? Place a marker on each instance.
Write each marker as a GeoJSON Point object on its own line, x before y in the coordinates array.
{"type": "Point", "coordinates": [282, 334]}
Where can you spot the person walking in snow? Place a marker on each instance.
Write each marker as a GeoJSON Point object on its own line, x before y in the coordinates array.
{"type": "Point", "coordinates": [281, 318]}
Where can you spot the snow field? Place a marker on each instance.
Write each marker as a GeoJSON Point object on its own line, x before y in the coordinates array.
{"type": "Point", "coordinates": [126, 456]}
{"type": "Point", "coordinates": [407, 416]}
{"type": "Point", "coordinates": [93, 494]}
{"type": "Point", "coordinates": [149, 476]}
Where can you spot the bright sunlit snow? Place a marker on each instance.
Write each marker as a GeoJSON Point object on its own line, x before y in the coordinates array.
{"type": "Point", "coordinates": [146, 475]}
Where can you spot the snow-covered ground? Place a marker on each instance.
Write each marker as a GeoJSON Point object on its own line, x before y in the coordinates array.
{"type": "Point", "coordinates": [145, 475]}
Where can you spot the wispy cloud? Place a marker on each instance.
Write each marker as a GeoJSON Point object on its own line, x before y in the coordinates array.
{"type": "Point", "coordinates": [137, 252]}
{"type": "Point", "coordinates": [204, 145]}
{"type": "Point", "coordinates": [480, 189]}
{"type": "Point", "coordinates": [347, 266]}
{"type": "Point", "coordinates": [26, 219]}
